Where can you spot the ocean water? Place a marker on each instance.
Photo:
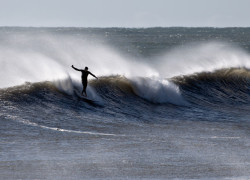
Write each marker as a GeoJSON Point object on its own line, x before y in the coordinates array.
{"type": "Point", "coordinates": [170, 103]}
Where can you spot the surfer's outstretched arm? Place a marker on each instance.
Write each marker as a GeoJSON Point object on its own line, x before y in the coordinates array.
{"type": "Point", "coordinates": [93, 75]}
{"type": "Point", "coordinates": [75, 68]}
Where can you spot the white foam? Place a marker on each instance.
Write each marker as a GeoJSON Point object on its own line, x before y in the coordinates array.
{"type": "Point", "coordinates": [34, 57]}
{"type": "Point", "coordinates": [200, 57]}
{"type": "Point", "coordinates": [27, 122]}
{"type": "Point", "coordinates": [65, 85]}
{"type": "Point", "coordinates": [68, 86]}
{"type": "Point", "coordinates": [158, 91]}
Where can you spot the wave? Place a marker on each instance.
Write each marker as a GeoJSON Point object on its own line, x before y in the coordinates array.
{"type": "Point", "coordinates": [33, 104]}
{"type": "Point", "coordinates": [225, 86]}
{"type": "Point", "coordinates": [174, 77]}
{"type": "Point", "coordinates": [104, 89]}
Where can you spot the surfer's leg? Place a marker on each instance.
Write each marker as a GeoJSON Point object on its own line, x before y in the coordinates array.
{"type": "Point", "coordinates": [84, 89]}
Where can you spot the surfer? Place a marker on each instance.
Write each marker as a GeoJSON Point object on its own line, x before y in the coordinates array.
{"type": "Point", "coordinates": [85, 74]}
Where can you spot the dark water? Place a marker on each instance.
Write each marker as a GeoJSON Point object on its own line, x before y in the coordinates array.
{"type": "Point", "coordinates": [170, 103]}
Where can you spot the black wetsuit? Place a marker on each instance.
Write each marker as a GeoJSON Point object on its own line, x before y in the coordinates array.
{"type": "Point", "coordinates": [85, 74]}
{"type": "Point", "coordinates": [85, 78]}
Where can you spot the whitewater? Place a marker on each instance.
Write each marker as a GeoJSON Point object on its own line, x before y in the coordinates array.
{"type": "Point", "coordinates": [169, 103]}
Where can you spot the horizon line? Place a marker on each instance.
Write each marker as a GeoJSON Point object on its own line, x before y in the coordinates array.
{"type": "Point", "coordinates": [128, 27]}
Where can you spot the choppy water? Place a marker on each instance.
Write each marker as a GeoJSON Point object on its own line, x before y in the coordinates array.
{"type": "Point", "coordinates": [169, 103]}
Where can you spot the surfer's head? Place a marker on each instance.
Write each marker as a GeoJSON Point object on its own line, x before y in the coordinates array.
{"type": "Point", "coordinates": [86, 68]}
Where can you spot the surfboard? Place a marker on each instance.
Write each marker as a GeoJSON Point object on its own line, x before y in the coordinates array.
{"type": "Point", "coordinates": [86, 99]}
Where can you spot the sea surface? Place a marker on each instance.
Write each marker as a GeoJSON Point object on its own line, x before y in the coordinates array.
{"type": "Point", "coordinates": [169, 103]}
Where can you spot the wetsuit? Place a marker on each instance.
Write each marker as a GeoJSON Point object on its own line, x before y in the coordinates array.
{"type": "Point", "coordinates": [85, 79]}
{"type": "Point", "coordinates": [85, 74]}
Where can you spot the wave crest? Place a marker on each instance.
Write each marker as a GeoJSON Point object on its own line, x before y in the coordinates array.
{"type": "Point", "coordinates": [226, 86]}
{"type": "Point", "coordinates": [158, 91]}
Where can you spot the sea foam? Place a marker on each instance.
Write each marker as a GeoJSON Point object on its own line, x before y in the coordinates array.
{"type": "Point", "coordinates": [34, 57]}
{"type": "Point", "coordinates": [158, 91]}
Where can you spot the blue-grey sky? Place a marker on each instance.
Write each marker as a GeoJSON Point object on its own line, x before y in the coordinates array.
{"type": "Point", "coordinates": [125, 13]}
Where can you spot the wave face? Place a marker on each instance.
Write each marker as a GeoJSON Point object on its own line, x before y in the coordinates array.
{"type": "Point", "coordinates": [169, 103]}
{"type": "Point", "coordinates": [227, 86]}
{"type": "Point", "coordinates": [220, 91]}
